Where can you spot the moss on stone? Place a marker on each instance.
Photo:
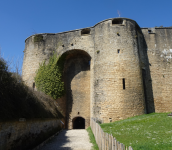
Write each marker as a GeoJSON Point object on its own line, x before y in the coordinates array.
{"type": "Point", "coordinates": [38, 38]}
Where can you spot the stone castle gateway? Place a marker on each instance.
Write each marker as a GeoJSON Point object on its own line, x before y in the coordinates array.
{"type": "Point", "coordinates": [113, 70]}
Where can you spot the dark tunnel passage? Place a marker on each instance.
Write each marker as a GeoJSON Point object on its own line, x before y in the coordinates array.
{"type": "Point", "coordinates": [78, 123]}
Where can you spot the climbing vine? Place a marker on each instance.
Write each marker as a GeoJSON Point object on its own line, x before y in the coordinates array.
{"type": "Point", "coordinates": [48, 77]}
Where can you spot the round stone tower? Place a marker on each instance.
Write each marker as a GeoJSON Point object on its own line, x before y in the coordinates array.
{"type": "Point", "coordinates": [118, 82]}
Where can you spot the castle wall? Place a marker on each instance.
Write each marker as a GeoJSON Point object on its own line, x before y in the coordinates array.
{"type": "Point", "coordinates": [118, 59]}
{"type": "Point", "coordinates": [34, 54]}
{"type": "Point", "coordinates": [77, 81]}
{"type": "Point", "coordinates": [159, 43]}
{"type": "Point", "coordinates": [144, 66]}
{"type": "Point", "coordinates": [17, 135]}
{"type": "Point", "coordinates": [113, 70]}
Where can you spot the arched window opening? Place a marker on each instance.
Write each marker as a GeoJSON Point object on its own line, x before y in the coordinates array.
{"type": "Point", "coordinates": [78, 123]}
{"type": "Point", "coordinates": [85, 31]}
{"type": "Point", "coordinates": [117, 21]}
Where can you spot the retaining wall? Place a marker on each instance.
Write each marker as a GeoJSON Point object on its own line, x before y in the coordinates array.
{"type": "Point", "coordinates": [26, 134]}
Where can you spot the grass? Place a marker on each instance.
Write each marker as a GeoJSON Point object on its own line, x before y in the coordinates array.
{"type": "Point", "coordinates": [145, 132]}
{"type": "Point", "coordinates": [92, 139]}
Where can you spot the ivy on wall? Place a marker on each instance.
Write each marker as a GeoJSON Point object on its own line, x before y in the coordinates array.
{"type": "Point", "coordinates": [48, 77]}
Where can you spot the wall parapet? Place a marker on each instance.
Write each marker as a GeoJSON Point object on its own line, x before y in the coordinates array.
{"type": "Point", "coordinates": [80, 28]}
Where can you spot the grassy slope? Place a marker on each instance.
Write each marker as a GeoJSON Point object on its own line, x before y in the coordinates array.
{"type": "Point", "coordinates": [92, 139]}
{"type": "Point", "coordinates": [145, 132]}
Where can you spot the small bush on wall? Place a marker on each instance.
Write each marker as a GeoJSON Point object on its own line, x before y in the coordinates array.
{"type": "Point", "coordinates": [49, 77]}
{"type": "Point", "coordinates": [38, 38]}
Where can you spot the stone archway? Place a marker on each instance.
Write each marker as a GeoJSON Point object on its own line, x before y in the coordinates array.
{"type": "Point", "coordinates": [78, 123]}
{"type": "Point", "coordinates": [76, 76]}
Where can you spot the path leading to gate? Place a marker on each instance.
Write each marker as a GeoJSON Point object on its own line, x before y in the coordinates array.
{"type": "Point", "coordinates": [69, 140]}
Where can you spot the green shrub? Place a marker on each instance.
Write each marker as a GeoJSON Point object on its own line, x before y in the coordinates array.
{"type": "Point", "coordinates": [19, 101]}
{"type": "Point", "coordinates": [5, 75]}
{"type": "Point", "coordinates": [49, 77]}
{"type": "Point", "coordinates": [3, 65]}
{"type": "Point", "coordinates": [38, 38]}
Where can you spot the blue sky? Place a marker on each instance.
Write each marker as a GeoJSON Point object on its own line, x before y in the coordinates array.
{"type": "Point", "coordinates": [20, 18]}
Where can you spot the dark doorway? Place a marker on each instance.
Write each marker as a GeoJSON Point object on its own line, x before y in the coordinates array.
{"type": "Point", "coordinates": [79, 123]}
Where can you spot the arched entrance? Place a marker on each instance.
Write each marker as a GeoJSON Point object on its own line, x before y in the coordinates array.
{"type": "Point", "coordinates": [78, 123]}
{"type": "Point", "coordinates": [76, 76]}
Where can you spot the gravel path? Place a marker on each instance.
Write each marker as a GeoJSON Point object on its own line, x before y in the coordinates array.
{"type": "Point", "coordinates": [69, 140]}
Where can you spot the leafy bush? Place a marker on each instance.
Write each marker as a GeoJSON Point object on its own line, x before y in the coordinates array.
{"type": "Point", "coordinates": [3, 65]}
{"type": "Point", "coordinates": [49, 77]}
{"type": "Point", "coordinates": [38, 38]}
{"type": "Point", "coordinates": [19, 101]}
{"type": "Point", "coordinates": [5, 75]}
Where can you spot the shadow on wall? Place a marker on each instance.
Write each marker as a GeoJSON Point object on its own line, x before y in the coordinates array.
{"type": "Point", "coordinates": [146, 76]}
{"type": "Point", "coordinates": [27, 134]}
{"type": "Point", "coordinates": [76, 62]}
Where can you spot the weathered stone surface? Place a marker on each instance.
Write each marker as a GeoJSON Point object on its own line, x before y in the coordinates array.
{"type": "Point", "coordinates": [112, 71]}
{"type": "Point", "coordinates": [160, 59]}
{"type": "Point", "coordinates": [27, 134]}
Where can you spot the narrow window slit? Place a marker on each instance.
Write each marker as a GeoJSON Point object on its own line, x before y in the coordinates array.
{"type": "Point", "coordinates": [123, 80]}
{"type": "Point", "coordinates": [33, 85]}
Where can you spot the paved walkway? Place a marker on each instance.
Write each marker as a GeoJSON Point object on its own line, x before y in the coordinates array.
{"type": "Point", "coordinates": [69, 140]}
